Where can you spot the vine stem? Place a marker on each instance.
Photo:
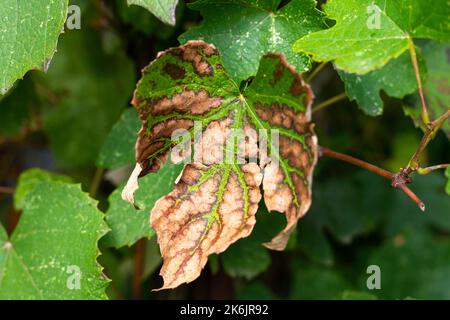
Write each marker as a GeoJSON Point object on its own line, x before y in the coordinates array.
{"type": "Point", "coordinates": [7, 190]}
{"type": "Point", "coordinates": [316, 71]}
{"type": "Point", "coordinates": [138, 268]}
{"type": "Point", "coordinates": [330, 101]}
{"type": "Point", "coordinates": [413, 54]}
{"type": "Point", "coordinates": [95, 184]}
{"type": "Point", "coordinates": [427, 170]}
{"type": "Point", "coordinates": [429, 134]}
{"type": "Point", "coordinates": [394, 178]}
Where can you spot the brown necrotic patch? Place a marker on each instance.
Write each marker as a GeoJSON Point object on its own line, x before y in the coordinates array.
{"type": "Point", "coordinates": [188, 101]}
{"type": "Point", "coordinates": [196, 53]}
{"type": "Point", "coordinates": [283, 116]}
{"type": "Point", "coordinates": [174, 71]}
{"type": "Point", "coordinates": [207, 220]}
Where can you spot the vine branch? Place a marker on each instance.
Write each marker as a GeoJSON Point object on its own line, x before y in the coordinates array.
{"type": "Point", "coordinates": [330, 101]}
{"type": "Point", "coordinates": [397, 181]}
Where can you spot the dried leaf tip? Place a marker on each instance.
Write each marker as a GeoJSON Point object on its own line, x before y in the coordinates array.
{"type": "Point", "coordinates": [132, 185]}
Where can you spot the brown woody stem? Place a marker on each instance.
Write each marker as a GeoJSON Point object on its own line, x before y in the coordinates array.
{"type": "Point", "coordinates": [396, 179]}
{"type": "Point", "coordinates": [138, 268]}
{"type": "Point", "coordinates": [7, 190]}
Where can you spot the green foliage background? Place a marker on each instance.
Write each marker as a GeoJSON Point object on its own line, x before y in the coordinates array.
{"type": "Point", "coordinates": [75, 120]}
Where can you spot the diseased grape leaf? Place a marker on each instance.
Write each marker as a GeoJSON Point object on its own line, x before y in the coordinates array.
{"type": "Point", "coordinates": [164, 10]}
{"type": "Point", "coordinates": [129, 224]}
{"type": "Point", "coordinates": [245, 30]}
{"type": "Point", "coordinates": [369, 33]}
{"type": "Point", "coordinates": [396, 79]}
{"type": "Point", "coordinates": [436, 86]}
{"type": "Point", "coordinates": [29, 31]}
{"type": "Point", "coordinates": [215, 201]}
{"type": "Point", "coordinates": [53, 250]}
{"type": "Point", "coordinates": [118, 149]}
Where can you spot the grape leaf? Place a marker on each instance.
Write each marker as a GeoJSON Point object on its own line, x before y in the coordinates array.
{"type": "Point", "coordinates": [53, 246]}
{"type": "Point", "coordinates": [29, 31]}
{"type": "Point", "coordinates": [129, 224]}
{"type": "Point", "coordinates": [164, 10]}
{"type": "Point", "coordinates": [28, 181]}
{"type": "Point", "coordinates": [369, 33]}
{"type": "Point", "coordinates": [118, 149]}
{"type": "Point", "coordinates": [90, 88]}
{"type": "Point", "coordinates": [396, 78]}
{"type": "Point", "coordinates": [436, 86]}
{"type": "Point", "coordinates": [215, 201]}
{"type": "Point", "coordinates": [245, 30]}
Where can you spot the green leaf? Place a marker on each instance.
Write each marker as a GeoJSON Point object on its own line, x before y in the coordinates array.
{"type": "Point", "coordinates": [255, 291]}
{"type": "Point", "coordinates": [436, 86]}
{"type": "Point", "coordinates": [311, 282]}
{"type": "Point", "coordinates": [357, 295]}
{"type": "Point", "coordinates": [447, 174]}
{"type": "Point", "coordinates": [129, 224]}
{"type": "Point", "coordinates": [369, 33]}
{"type": "Point", "coordinates": [28, 181]}
{"type": "Point", "coordinates": [413, 264]}
{"type": "Point", "coordinates": [244, 31]}
{"type": "Point", "coordinates": [396, 79]}
{"type": "Point", "coordinates": [54, 244]}
{"type": "Point", "coordinates": [118, 149]}
{"type": "Point", "coordinates": [188, 88]}
{"type": "Point", "coordinates": [84, 109]}
{"type": "Point", "coordinates": [164, 10]}
{"type": "Point", "coordinates": [29, 31]}
{"type": "Point", "coordinates": [345, 209]}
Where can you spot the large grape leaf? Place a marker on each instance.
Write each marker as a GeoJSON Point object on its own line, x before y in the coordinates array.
{"type": "Point", "coordinates": [245, 30]}
{"type": "Point", "coordinates": [215, 201]}
{"type": "Point", "coordinates": [164, 10]}
{"type": "Point", "coordinates": [129, 224]}
{"type": "Point", "coordinates": [29, 31]}
{"type": "Point", "coordinates": [52, 252]}
{"type": "Point", "coordinates": [436, 85]}
{"type": "Point", "coordinates": [396, 79]}
{"type": "Point", "coordinates": [368, 33]}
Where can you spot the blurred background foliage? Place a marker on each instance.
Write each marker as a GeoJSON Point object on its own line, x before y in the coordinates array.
{"type": "Point", "coordinates": [76, 119]}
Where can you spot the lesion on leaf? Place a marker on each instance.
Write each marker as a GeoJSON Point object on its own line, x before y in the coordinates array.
{"type": "Point", "coordinates": [216, 198]}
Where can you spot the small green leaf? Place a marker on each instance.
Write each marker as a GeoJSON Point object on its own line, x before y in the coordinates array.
{"type": "Point", "coordinates": [29, 31]}
{"type": "Point", "coordinates": [436, 86]}
{"type": "Point", "coordinates": [246, 30]}
{"type": "Point", "coordinates": [129, 224]}
{"type": "Point", "coordinates": [164, 10]}
{"type": "Point", "coordinates": [396, 79]}
{"type": "Point", "coordinates": [52, 252]}
{"type": "Point", "coordinates": [118, 150]}
{"type": "Point", "coordinates": [28, 181]}
{"type": "Point", "coordinates": [369, 33]}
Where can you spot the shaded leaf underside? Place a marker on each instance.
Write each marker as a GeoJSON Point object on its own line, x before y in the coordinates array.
{"type": "Point", "coordinates": [214, 202]}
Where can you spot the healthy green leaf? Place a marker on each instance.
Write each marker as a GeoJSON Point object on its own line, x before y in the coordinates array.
{"type": "Point", "coordinates": [118, 150]}
{"type": "Point", "coordinates": [29, 31]}
{"type": "Point", "coordinates": [90, 89]}
{"type": "Point", "coordinates": [369, 33]}
{"type": "Point", "coordinates": [28, 181]}
{"type": "Point", "coordinates": [396, 79]}
{"type": "Point", "coordinates": [436, 85]}
{"type": "Point", "coordinates": [164, 10]}
{"type": "Point", "coordinates": [52, 252]}
{"type": "Point", "coordinates": [413, 264]}
{"type": "Point", "coordinates": [245, 30]}
{"type": "Point", "coordinates": [215, 201]}
{"type": "Point", "coordinates": [129, 224]}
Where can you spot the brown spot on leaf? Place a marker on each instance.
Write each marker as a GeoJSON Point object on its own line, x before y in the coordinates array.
{"type": "Point", "coordinates": [187, 101]}
{"type": "Point", "coordinates": [174, 71]}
